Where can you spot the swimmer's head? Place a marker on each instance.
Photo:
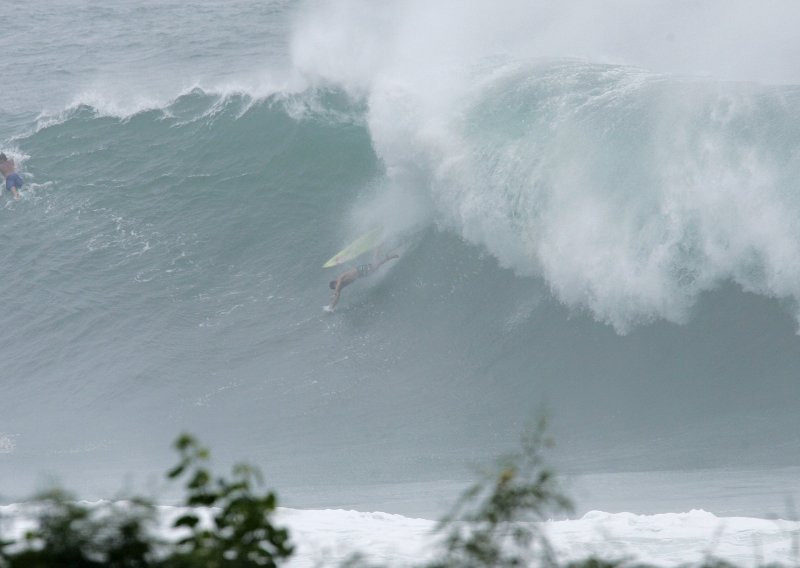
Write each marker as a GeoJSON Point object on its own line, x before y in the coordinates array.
{"type": "Point", "coordinates": [332, 285]}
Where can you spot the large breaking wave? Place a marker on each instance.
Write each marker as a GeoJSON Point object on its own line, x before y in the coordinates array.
{"type": "Point", "coordinates": [630, 192]}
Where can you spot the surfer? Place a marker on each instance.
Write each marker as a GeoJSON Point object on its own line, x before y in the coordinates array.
{"type": "Point", "coordinates": [13, 179]}
{"type": "Point", "coordinates": [352, 275]}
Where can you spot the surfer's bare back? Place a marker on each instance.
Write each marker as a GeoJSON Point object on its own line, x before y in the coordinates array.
{"type": "Point", "coordinates": [350, 276]}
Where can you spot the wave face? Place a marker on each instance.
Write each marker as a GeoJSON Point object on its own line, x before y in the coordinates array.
{"type": "Point", "coordinates": [614, 242]}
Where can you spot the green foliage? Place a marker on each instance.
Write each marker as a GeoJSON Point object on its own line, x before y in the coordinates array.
{"type": "Point", "coordinates": [495, 522]}
{"type": "Point", "coordinates": [239, 531]}
{"type": "Point", "coordinates": [235, 529]}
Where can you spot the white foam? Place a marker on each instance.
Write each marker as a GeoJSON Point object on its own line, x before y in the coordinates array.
{"type": "Point", "coordinates": [669, 539]}
{"type": "Point", "coordinates": [327, 537]}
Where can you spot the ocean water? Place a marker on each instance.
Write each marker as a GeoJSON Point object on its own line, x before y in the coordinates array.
{"type": "Point", "coordinates": [595, 207]}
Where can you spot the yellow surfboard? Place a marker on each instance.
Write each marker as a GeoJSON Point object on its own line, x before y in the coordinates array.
{"type": "Point", "coordinates": [362, 244]}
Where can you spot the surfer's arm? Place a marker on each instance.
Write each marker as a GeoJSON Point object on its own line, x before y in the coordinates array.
{"type": "Point", "coordinates": [336, 292]}
{"type": "Point", "coordinates": [382, 262]}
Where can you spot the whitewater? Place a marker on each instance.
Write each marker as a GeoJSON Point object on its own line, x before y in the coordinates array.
{"type": "Point", "coordinates": [597, 216]}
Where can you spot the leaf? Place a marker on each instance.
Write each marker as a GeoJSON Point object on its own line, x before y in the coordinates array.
{"type": "Point", "coordinates": [205, 500]}
{"type": "Point", "coordinates": [186, 521]}
{"type": "Point", "coordinates": [176, 471]}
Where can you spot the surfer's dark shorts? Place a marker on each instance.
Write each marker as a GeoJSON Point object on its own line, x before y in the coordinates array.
{"type": "Point", "coordinates": [14, 180]}
{"type": "Point", "coordinates": [364, 269]}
